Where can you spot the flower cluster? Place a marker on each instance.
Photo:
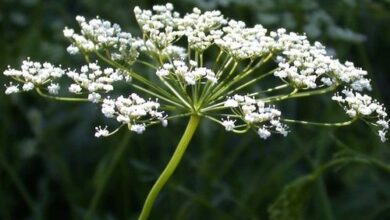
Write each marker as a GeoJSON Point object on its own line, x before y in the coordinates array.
{"type": "Point", "coordinates": [243, 43]}
{"type": "Point", "coordinates": [186, 82]}
{"type": "Point", "coordinates": [202, 29]}
{"type": "Point", "coordinates": [134, 111]}
{"type": "Point", "coordinates": [308, 66]}
{"type": "Point", "coordinates": [33, 75]}
{"type": "Point", "coordinates": [255, 115]}
{"type": "Point", "coordinates": [94, 79]}
{"type": "Point", "coordinates": [99, 34]}
{"type": "Point", "coordinates": [161, 27]}
{"type": "Point", "coordinates": [188, 75]}
{"type": "Point", "coordinates": [364, 106]}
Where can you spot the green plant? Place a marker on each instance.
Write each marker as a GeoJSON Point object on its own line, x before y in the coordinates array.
{"type": "Point", "coordinates": [220, 59]}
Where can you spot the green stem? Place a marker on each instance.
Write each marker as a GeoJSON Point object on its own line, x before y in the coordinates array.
{"type": "Point", "coordinates": [133, 75]}
{"type": "Point", "coordinates": [300, 94]}
{"type": "Point", "coordinates": [58, 98]}
{"type": "Point", "coordinates": [147, 64]}
{"type": "Point", "coordinates": [171, 166]}
{"type": "Point", "coordinates": [102, 181]}
{"type": "Point", "coordinates": [337, 124]}
{"type": "Point", "coordinates": [250, 82]}
{"type": "Point", "coordinates": [224, 87]}
{"type": "Point", "coordinates": [169, 100]}
{"type": "Point", "coordinates": [176, 93]}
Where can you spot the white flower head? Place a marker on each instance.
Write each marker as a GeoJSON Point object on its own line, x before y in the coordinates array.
{"type": "Point", "coordinates": [357, 105]}
{"type": "Point", "coordinates": [254, 113]}
{"type": "Point", "coordinates": [231, 103]}
{"type": "Point", "coordinates": [263, 133]}
{"type": "Point", "coordinates": [28, 86]}
{"type": "Point", "coordinates": [53, 88]}
{"type": "Point", "coordinates": [228, 124]}
{"type": "Point", "coordinates": [138, 128]}
{"type": "Point", "coordinates": [190, 75]}
{"type": "Point", "coordinates": [34, 74]}
{"type": "Point", "coordinates": [134, 111]}
{"type": "Point", "coordinates": [94, 79]}
{"type": "Point", "coordinates": [10, 89]}
{"type": "Point", "coordinates": [97, 34]}
{"type": "Point", "coordinates": [101, 132]}
{"type": "Point", "coordinates": [382, 135]}
{"type": "Point", "coordinates": [94, 97]}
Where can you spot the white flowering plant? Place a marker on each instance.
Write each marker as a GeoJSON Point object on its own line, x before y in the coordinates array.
{"type": "Point", "coordinates": [204, 66]}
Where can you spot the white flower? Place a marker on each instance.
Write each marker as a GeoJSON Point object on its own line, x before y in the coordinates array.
{"type": "Point", "coordinates": [228, 124]}
{"type": "Point", "coordinates": [28, 86]}
{"type": "Point", "coordinates": [11, 89]}
{"type": "Point", "coordinates": [68, 32]}
{"type": "Point", "coordinates": [356, 103]}
{"type": "Point", "coordinates": [101, 132]}
{"type": "Point", "coordinates": [94, 97]}
{"type": "Point", "coordinates": [96, 34]}
{"type": "Point", "coordinates": [162, 72]}
{"type": "Point", "coordinates": [34, 74]}
{"type": "Point", "coordinates": [132, 110]}
{"type": "Point", "coordinates": [382, 135]}
{"type": "Point", "coordinates": [363, 106]}
{"type": "Point", "coordinates": [138, 128]}
{"type": "Point", "coordinates": [256, 114]}
{"type": "Point", "coordinates": [160, 26]}
{"type": "Point", "coordinates": [231, 103]}
{"type": "Point", "coordinates": [242, 42]}
{"type": "Point", "coordinates": [74, 88]}
{"type": "Point", "coordinates": [189, 75]}
{"type": "Point", "coordinates": [94, 79]}
{"type": "Point", "coordinates": [201, 29]}
{"type": "Point", "coordinates": [361, 84]}
{"type": "Point", "coordinates": [263, 133]}
{"type": "Point", "coordinates": [338, 98]}
{"type": "Point", "coordinates": [383, 123]}
{"type": "Point", "coordinates": [108, 107]}
{"type": "Point", "coordinates": [53, 88]}
{"type": "Point", "coordinates": [72, 49]}
{"type": "Point", "coordinates": [164, 123]}
{"type": "Point", "coordinates": [174, 52]}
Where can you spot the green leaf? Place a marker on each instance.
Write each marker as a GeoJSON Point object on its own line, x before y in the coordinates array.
{"type": "Point", "coordinates": [291, 203]}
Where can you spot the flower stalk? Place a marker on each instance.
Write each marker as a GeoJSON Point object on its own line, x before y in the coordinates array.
{"type": "Point", "coordinates": [171, 166]}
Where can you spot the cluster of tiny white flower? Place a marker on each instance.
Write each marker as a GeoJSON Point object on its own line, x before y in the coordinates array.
{"type": "Point", "coordinates": [134, 111]}
{"type": "Point", "coordinates": [101, 34]}
{"type": "Point", "coordinates": [255, 115]}
{"type": "Point", "coordinates": [243, 43]}
{"type": "Point", "coordinates": [173, 52]}
{"type": "Point", "coordinates": [201, 29]}
{"type": "Point", "coordinates": [91, 77]}
{"type": "Point", "coordinates": [299, 64]}
{"type": "Point", "coordinates": [159, 28]}
{"type": "Point", "coordinates": [188, 75]}
{"type": "Point", "coordinates": [94, 79]}
{"type": "Point", "coordinates": [33, 75]}
{"type": "Point", "coordinates": [308, 66]}
{"type": "Point", "coordinates": [365, 107]}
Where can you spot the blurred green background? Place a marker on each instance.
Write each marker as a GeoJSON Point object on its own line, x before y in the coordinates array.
{"type": "Point", "coordinates": [51, 165]}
